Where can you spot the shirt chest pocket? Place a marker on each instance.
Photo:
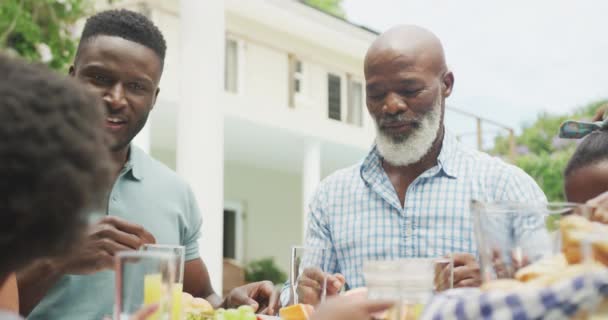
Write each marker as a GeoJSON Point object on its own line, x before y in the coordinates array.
{"type": "Point", "coordinates": [447, 230]}
{"type": "Point", "coordinates": [367, 235]}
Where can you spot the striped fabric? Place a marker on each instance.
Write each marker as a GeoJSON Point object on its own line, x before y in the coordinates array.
{"type": "Point", "coordinates": [357, 214]}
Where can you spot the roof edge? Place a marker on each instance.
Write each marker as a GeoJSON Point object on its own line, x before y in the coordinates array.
{"type": "Point", "coordinates": [365, 28]}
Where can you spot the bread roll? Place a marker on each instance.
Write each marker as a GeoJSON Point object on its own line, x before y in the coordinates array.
{"type": "Point", "coordinates": [546, 266]}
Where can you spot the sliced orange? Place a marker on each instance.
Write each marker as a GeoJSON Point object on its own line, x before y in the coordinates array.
{"type": "Point", "coordinates": [296, 312]}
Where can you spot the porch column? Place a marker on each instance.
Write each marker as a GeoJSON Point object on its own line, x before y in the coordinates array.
{"type": "Point", "coordinates": [311, 175]}
{"type": "Point", "coordinates": [200, 123]}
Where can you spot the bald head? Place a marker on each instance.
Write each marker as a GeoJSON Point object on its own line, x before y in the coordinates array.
{"type": "Point", "coordinates": [411, 45]}
{"type": "Point", "coordinates": [406, 84]}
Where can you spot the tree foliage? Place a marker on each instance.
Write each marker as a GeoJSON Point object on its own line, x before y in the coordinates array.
{"type": "Point", "coordinates": [41, 30]}
{"type": "Point", "coordinates": [333, 7]}
{"type": "Point", "coordinates": [541, 153]}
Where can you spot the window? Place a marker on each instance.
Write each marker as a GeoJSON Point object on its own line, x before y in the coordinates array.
{"type": "Point", "coordinates": [231, 79]}
{"type": "Point", "coordinates": [233, 231]}
{"type": "Point", "coordinates": [296, 80]}
{"type": "Point", "coordinates": [297, 77]}
{"type": "Point", "coordinates": [355, 103]}
{"type": "Point", "coordinates": [230, 234]}
{"type": "Point", "coordinates": [334, 96]}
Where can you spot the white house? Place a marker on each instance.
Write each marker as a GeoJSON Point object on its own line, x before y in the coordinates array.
{"type": "Point", "coordinates": [259, 100]}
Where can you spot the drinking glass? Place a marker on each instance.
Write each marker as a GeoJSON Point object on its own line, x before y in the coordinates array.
{"type": "Point", "coordinates": [179, 253]}
{"type": "Point", "coordinates": [409, 282]}
{"type": "Point", "coordinates": [308, 275]}
{"type": "Point", "coordinates": [144, 278]}
{"type": "Point", "coordinates": [510, 235]}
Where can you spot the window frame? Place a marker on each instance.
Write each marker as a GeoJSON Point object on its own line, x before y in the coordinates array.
{"type": "Point", "coordinates": [240, 65]}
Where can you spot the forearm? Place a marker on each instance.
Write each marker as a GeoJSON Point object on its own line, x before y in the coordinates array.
{"type": "Point", "coordinates": [9, 296]}
{"type": "Point", "coordinates": [198, 284]}
{"type": "Point", "coordinates": [35, 281]}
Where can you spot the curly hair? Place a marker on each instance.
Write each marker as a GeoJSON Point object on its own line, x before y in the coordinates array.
{"type": "Point", "coordinates": [593, 149]}
{"type": "Point", "coordinates": [54, 162]}
{"type": "Point", "coordinates": [128, 25]}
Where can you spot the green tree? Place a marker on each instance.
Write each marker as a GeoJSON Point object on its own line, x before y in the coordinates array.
{"type": "Point", "coordinates": [542, 154]}
{"type": "Point", "coordinates": [41, 30]}
{"type": "Point", "coordinates": [333, 7]}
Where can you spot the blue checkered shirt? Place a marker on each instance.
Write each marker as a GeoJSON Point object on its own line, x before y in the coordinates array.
{"type": "Point", "coordinates": [357, 214]}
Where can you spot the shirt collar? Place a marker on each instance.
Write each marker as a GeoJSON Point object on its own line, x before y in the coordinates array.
{"type": "Point", "coordinates": [372, 164]}
{"type": "Point", "coordinates": [445, 160]}
{"type": "Point", "coordinates": [134, 164]}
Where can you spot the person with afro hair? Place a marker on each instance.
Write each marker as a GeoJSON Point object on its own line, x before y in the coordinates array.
{"type": "Point", "coordinates": [55, 164]}
{"type": "Point", "coordinates": [120, 58]}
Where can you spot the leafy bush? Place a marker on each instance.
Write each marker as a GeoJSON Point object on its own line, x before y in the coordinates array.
{"type": "Point", "coordinates": [547, 170]}
{"type": "Point", "coordinates": [264, 269]}
{"type": "Point", "coordinates": [541, 153]}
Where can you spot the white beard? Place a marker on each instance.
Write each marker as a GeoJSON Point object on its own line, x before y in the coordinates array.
{"type": "Point", "coordinates": [405, 150]}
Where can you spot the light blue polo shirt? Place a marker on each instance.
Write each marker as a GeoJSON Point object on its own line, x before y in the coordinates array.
{"type": "Point", "coordinates": [147, 193]}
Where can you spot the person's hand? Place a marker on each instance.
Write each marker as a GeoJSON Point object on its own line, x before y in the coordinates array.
{"type": "Point", "coordinates": [103, 240]}
{"type": "Point", "coordinates": [599, 207]}
{"type": "Point", "coordinates": [310, 284]}
{"type": "Point", "coordinates": [444, 276]}
{"type": "Point", "coordinates": [466, 271]}
{"type": "Point", "coordinates": [518, 261]}
{"type": "Point", "coordinates": [350, 308]}
{"type": "Point", "coordinates": [262, 296]}
{"type": "Point", "coordinates": [144, 312]}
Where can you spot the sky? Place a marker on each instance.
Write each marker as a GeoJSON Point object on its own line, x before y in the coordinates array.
{"type": "Point", "coordinates": [512, 59]}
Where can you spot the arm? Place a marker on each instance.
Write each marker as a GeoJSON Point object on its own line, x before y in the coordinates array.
{"type": "Point", "coordinates": [35, 281]}
{"type": "Point", "coordinates": [529, 229]}
{"type": "Point", "coordinates": [9, 295]}
{"type": "Point", "coordinates": [198, 284]}
{"type": "Point", "coordinates": [318, 235]}
{"type": "Point", "coordinates": [348, 308]}
{"type": "Point", "coordinates": [516, 185]}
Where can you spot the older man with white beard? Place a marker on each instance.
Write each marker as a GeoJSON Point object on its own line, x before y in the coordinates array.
{"type": "Point", "coordinates": [410, 196]}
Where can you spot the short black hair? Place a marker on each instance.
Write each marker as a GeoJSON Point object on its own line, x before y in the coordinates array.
{"type": "Point", "coordinates": [128, 25]}
{"type": "Point", "coordinates": [593, 149]}
{"type": "Point", "coordinates": [54, 162]}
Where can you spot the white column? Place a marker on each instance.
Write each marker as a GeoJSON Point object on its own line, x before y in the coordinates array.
{"type": "Point", "coordinates": [200, 131]}
{"type": "Point", "coordinates": [311, 175]}
{"type": "Point", "coordinates": [142, 139]}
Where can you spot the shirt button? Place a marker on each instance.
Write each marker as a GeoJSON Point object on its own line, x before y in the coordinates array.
{"type": "Point", "coordinates": [113, 198]}
{"type": "Point", "coordinates": [408, 232]}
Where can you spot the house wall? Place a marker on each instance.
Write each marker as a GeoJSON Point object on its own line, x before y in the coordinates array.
{"type": "Point", "coordinates": [272, 203]}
